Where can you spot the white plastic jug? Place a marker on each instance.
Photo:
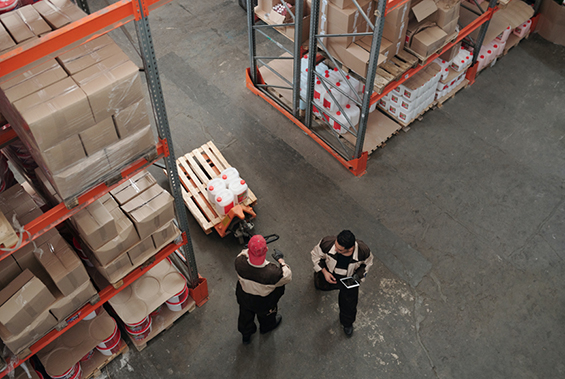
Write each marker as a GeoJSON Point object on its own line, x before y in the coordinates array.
{"type": "Point", "coordinates": [503, 37]}
{"type": "Point", "coordinates": [213, 187]}
{"type": "Point", "coordinates": [481, 62]}
{"type": "Point", "coordinates": [339, 123]}
{"type": "Point", "coordinates": [354, 82]}
{"type": "Point", "coordinates": [240, 190]}
{"type": "Point", "coordinates": [523, 29]}
{"type": "Point", "coordinates": [321, 68]}
{"type": "Point", "coordinates": [341, 98]}
{"type": "Point", "coordinates": [224, 201]}
{"type": "Point", "coordinates": [229, 174]}
{"type": "Point", "coordinates": [353, 112]}
{"type": "Point", "coordinates": [319, 92]}
{"type": "Point", "coordinates": [335, 76]}
{"type": "Point", "coordinates": [444, 73]}
{"type": "Point", "coordinates": [304, 63]}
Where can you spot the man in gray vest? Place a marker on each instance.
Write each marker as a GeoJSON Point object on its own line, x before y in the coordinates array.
{"type": "Point", "coordinates": [336, 258]}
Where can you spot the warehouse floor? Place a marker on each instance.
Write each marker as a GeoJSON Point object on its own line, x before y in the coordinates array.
{"type": "Point", "coordinates": [465, 214]}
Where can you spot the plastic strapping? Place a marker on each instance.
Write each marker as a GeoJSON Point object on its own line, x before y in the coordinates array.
{"type": "Point", "coordinates": [24, 20]}
{"type": "Point", "coordinates": [147, 202]}
{"type": "Point", "coordinates": [18, 228]}
{"type": "Point", "coordinates": [368, 12]}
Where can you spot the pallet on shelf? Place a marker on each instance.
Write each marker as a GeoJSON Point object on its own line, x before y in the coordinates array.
{"type": "Point", "coordinates": [93, 366]}
{"type": "Point", "coordinates": [393, 69]}
{"type": "Point", "coordinates": [513, 40]}
{"type": "Point", "coordinates": [439, 102]}
{"type": "Point", "coordinates": [163, 321]}
{"type": "Point", "coordinates": [195, 170]}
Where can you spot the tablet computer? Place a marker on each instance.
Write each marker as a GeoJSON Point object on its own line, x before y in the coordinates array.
{"type": "Point", "coordinates": [349, 282]}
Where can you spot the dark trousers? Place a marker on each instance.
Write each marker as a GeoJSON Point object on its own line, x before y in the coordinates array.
{"type": "Point", "coordinates": [347, 298]}
{"type": "Point", "coordinates": [246, 320]}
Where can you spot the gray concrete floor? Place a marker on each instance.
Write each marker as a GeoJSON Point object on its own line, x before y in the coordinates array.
{"type": "Point", "coordinates": [465, 214]}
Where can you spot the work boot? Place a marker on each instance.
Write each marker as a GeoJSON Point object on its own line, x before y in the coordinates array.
{"type": "Point", "coordinates": [246, 340]}
{"type": "Point", "coordinates": [278, 322]}
{"type": "Point", "coordinates": [348, 330]}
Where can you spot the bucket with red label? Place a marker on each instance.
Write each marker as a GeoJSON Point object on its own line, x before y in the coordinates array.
{"type": "Point", "coordinates": [40, 375]}
{"type": "Point", "coordinates": [111, 341]}
{"type": "Point", "coordinates": [179, 301]}
{"type": "Point", "coordinates": [156, 311]}
{"type": "Point", "coordinates": [8, 5]}
{"type": "Point", "coordinates": [72, 373]}
{"type": "Point", "coordinates": [141, 334]}
{"type": "Point", "coordinates": [111, 350]}
{"type": "Point", "coordinates": [87, 356]}
{"type": "Point", "coordinates": [138, 326]}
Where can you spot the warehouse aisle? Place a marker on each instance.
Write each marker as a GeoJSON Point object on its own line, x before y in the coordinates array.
{"type": "Point", "coordinates": [465, 213]}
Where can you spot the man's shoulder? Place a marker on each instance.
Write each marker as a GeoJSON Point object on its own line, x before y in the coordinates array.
{"type": "Point", "coordinates": [363, 251]}
{"type": "Point", "coordinates": [327, 243]}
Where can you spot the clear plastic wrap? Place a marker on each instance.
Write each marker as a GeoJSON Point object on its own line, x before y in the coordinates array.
{"type": "Point", "coordinates": [133, 187]}
{"type": "Point", "coordinates": [33, 20]}
{"type": "Point", "coordinates": [85, 49]}
{"type": "Point", "coordinates": [99, 136]}
{"type": "Point", "coordinates": [6, 41]}
{"type": "Point", "coordinates": [130, 119]}
{"type": "Point", "coordinates": [58, 13]}
{"type": "Point", "coordinates": [17, 28]}
{"type": "Point", "coordinates": [76, 61]}
{"type": "Point", "coordinates": [33, 80]}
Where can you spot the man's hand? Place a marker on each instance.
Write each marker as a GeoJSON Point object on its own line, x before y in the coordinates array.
{"type": "Point", "coordinates": [329, 277]}
{"type": "Point", "coordinates": [281, 261]}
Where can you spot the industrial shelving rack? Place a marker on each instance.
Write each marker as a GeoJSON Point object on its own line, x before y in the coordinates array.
{"type": "Point", "coordinates": [55, 43]}
{"type": "Point", "coordinates": [350, 155]}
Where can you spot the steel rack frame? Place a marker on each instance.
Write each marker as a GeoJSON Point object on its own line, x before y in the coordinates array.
{"type": "Point", "coordinates": [352, 157]}
{"type": "Point", "coordinates": [57, 42]}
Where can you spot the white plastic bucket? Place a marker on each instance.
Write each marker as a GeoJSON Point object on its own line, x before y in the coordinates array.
{"type": "Point", "coordinates": [138, 326]}
{"type": "Point", "coordinates": [224, 201]}
{"type": "Point", "coordinates": [111, 350]}
{"type": "Point", "coordinates": [143, 333]}
{"type": "Point", "coordinates": [240, 190]}
{"type": "Point", "coordinates": [178, 302]}
{"type": "Point", "coordinates": [72, 373]}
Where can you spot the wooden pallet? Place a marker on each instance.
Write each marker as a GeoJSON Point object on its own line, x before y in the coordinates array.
{"type": "Point", "coordinates": [195, 170]}
{"type": "Point", "coordinates": [393, 69]}
{"type": "Point", "coordinates": [513, 40]}
{"type": "Point", "coordinates": [163, 321]}
{"type": "Point", "coordinates": [93, 367]}
{"type": "Point", "coordinates": [439, 102]}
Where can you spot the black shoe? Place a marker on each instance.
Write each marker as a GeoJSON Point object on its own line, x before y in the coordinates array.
{"type": "Point", "coordinates": [348, 330]}
{"type": "Point", "coordinates": [278, 322]}
{"type": "Point", "coordinates": [246, 340]}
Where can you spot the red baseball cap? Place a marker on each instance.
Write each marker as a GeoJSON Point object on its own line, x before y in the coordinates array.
{"type": "Point", "coordinates": [257, 250]}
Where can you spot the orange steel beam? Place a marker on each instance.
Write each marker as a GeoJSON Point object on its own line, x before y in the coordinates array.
{"type": "Point", "coordinates": [105, 295]}
{"type": "Point", "coordinates": [462, 34]}
{"type": "Point", "coordinates": [393, 4]}
{"type": "Point", "coordinates": [60, 213]}
{"type": "Point", "coordinates": [72, 35]}
{"type": "Point", "coordinates": [357, 167]}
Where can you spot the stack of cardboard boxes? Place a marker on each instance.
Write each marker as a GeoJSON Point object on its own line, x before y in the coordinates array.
{"type": "Point", "coordinates": [82, 116]}
{"type": "Point", "coordinates": [42, 283]}
{"type": "Point", "coordinates": [273, 12]}
{"type": "Point", "coordinates": [121, 230]}
{"type": "Point", "coordinates": [431, 24]}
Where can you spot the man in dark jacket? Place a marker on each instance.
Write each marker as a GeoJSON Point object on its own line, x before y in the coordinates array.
{"type": "Point", "coordinates": [260, 286]}
{"type": "Point", "coordinates": [339, 257]}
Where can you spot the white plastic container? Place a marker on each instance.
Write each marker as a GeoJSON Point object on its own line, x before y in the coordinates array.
{"type": "Point", "coordinates": [395, 99]}
{"type": "Point", "coordinates": [497, 47]}
{"type": "Point", "coordinates": [354, 82]}
{"type": "Point", "coordinates": [339, 123]}
{"type": "Point", "coordinates": [523, 29]}
{"type": "Point", "coordinates": [372, 107]}
{"type": "Point", "coordinates": [213, 187]}
{"type": "Point", "coordinates": [503, 37]}
{"type": "Point", "coordinates": [383, 103]}
{"type": "Point", "coordinates": [316, 111]}
{"type": "Point", "coordinates": [398, 90]}
{"type": "Point", "coordinates": [240, 190]}
{"type": "Point", "coordinates": [393, 110]}
{"type": "Point", "coordinates": [444, 73]}
{"type": "Point", "coordinates": [481, 62]}
{"type": "Point", "coordinates": [329, 102]}
{"type": "Point", "coordinates": [353, 112]}
{"type": "Point", "coordinates": [443, 64]}
{"type": "Point", "coordinates": [321, 68]}
{"type": "Point", "coordinates": [410, 93]}
{"type": "Point", "coordinates": [304, 63]}
{"type": "Point", "coordinates": [405, 116]}
{"type": "Point", "coordinates": [335, 76]}
{"type": "Point", "coordinates": [341, 98]}
{"type": "Point", "coordinates": [229, 174]}
{"type": "Point", "coordinates": [224, 202]}
{"type": "Point", "coordinates": [408, 106]}
{"type": "Point", "coordinates": [319, 92]}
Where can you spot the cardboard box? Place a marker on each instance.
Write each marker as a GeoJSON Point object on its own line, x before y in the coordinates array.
{"type": "Point", "coordinates": [65, 306]}
{"type": "Point", "coordinates": [85, 49]}
{"type": "Point", "coordinates": [95, 225]}
{"type": "Point", "coordinates": [423, 10]}
{"type": "Point", "coordinates": [551, 24]}
{"type": "Point", "coordinates": [16, 201]}
{"type": "Point", "coordinates": [347, 19]}
{"type": "Point", "coordinates": [126, 238]}
{"type": "Point", "coordinates": [130, 148]}
{"type": "Point", "coordinates": [447, 12]}
{"type": "Point", "coordinates": [111, 85]}
{"type": "Point", "coordinates": [354, 57]}
{"type": "Point", "coordinates": [46, 188]}
{"type": "Point", "coordinates": [99, 136]}
{"type": "Point", "coordinates": [58, 14]}
{"type": "Point", "coordinates": [116, 269]}
{"type": "Point", "coordinates": [33, 80]}
{"type": "Point", "coordinates": [133, 187]}
{"type": "Point", "coordinates": [263, 10]}
{"type": "Point", "coordinates": [9, 270]}
{"type": "Point", "coordinates": [396, 23]}
{"type": "Point", "coordinates": [428, 41]}
{"type": "Point", "coordinates": [137, 300]}
{"type": "Point", "coordinates": [65, 154]}
{"type": "Point", "coordinates": [6, 41]}
{"type": "Point", "coordinates": [61, 354]}
{"type": "Point", "coordinates": [142, 251]}
{"type": "Point", "coordinates": [165, 235]}
{"type": "Point", "coordinates": [344, 3]}
{"type": "Point", "coordinates": [86, 173]}
{"type": "Point", "coordinates": [451, 53]}
{"type": "Point", "coordinates": [22, 301]}
{"type": "Point", "coordinates": [150, 210]}
{"type": "Point", "coordinates": [450, 28]}
{"type": "Point", "coordinates": [109, 202]}
{"type": "Point", "coordinates": [131, 119]}
{"type": "Point", "coordinates": [62, 103]}
{"type": "Point", "coordinates": [360, 27]}
{"type": "Point", "coordinates": [43, 323]}
{"type": "Point", "coordinates": [33, 20]}
{"type": "Point", "coordinates": [62, 264]}
{"type": "Point", "coordinates": [17, 28]}
{"type": "Point", "coordinates": [77, 60]}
